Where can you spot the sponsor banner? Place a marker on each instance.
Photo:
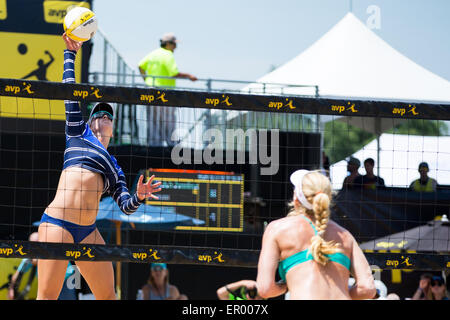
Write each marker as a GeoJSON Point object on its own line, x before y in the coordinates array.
{"type": "Point", "coordinates": [32, 49]}
{"type": "Point", "coordinates": [408, 260]}
{"type": "Point", "coordinates": [36, 57]}
{"type": "Point", "coordinates": [231, 101]}
{"type": "Point", "coordinates": [3, 10]}
{"type": "Point", "coordinates": [134, 253]}
{"type": "Point", "coordinates": [55, 11]}
{"type": "Point", "coordinates": [197, 255]}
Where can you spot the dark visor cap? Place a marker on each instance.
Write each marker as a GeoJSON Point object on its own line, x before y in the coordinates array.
{"type": "Point", "coordinates": [102, 106]}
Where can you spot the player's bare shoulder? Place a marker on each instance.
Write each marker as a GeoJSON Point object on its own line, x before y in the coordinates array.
{"type": "Point", "coordinates": [343, 233]}
{"type": "Point", "coordinates": [280, 225]}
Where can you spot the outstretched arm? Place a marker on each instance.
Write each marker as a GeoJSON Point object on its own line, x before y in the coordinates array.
{"type": "Point", "coordinates": [74, 120]}
{"type": "Point", "coordinates": [186, 76]}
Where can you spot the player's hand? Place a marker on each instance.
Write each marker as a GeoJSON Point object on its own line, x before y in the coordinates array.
{"type": "Point", "coordinates": [145, 190]}
{"type": "Point", "coordinates": [192, 78]}
{"type": "Point", "coordinates": [71, 44]}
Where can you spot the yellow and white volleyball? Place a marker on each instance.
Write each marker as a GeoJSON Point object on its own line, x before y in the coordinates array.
{"type": "Point", "coordinates": [80, 24]}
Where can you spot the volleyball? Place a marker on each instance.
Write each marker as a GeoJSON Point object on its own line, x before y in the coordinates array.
{"type": "Point", "coordinates": [80, 24]}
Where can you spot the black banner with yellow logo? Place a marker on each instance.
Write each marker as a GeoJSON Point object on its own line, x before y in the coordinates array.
{"type": "Point", "coordinates": [387, 260]}
{"type": "Point", "coordinates": [221, 101]}
{"type": "Point", "coordinates": [32, 49]}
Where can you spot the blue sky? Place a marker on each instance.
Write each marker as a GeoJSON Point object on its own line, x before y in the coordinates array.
{"type": "Point", "coordinates": [243, 39]}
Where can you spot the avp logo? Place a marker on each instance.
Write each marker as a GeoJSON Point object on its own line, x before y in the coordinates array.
{"type": "Point", "coordinates": [19, 250]}
{"type": "Point", "coordinates": [403, 111]}
{"type": "Point", "coordinates": [350, 106]}
{"type": "Point", "coordinates": [77, 253]}
{"type": "Point", "coordinates": [84, 93]}
{"type": "Point", "coordinates": [406, 261]}
{"type": "Point", "coordinates": [9, 251]}
{"type": "Point", "coordinates": [278, 105]}
{"type": "Point", "coordinates": [209, 258]}
{"type": "Point", "coordinates": [215, 101]}
{"type": "Point", "coordinates": [17, 89]}
{"type": "Point", "coordinates": [6, 251]}
{"type": "Point", "coordinates": [396, 263]}
{"type": "Point", "coordinates": [393, 263]}
{"type": "Point", "coordinates": [144, 255]}
{"type": "Point", "coordinates": [161, 96]}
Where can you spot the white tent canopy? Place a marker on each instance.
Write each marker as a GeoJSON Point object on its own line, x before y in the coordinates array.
{"type": "Point", "coordinates": [400, 156]}
{"type": "Point", "coordinates": [351, 61]}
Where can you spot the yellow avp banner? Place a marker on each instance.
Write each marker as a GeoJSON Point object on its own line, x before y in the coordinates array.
{"type": "Point", "coordinates": [35, 53]}
{"type": "Point", "coordinates": [33, 57]}
{"type": "Point", "coordinates": [3, 10]}
{"type": "Point", "coordinates": [55, 10]}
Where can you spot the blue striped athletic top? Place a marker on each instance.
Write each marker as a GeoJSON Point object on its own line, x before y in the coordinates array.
{"type": "Point", "coordinates": [83, 149]}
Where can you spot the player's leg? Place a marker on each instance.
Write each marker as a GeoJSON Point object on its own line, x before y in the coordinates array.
{"type": "Point", "coordinates": [51, 273]}
{"type": "Point", "coordinates": [99, 275]}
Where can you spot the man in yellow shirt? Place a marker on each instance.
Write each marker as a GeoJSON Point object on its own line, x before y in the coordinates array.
{"type": "Point", "coordinates": [161, 63]}
{"type": "Point", "coordinates": [424, 183]}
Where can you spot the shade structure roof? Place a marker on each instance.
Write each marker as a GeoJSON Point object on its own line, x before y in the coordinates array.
{"type": "Point", "coordinates": [352, 61]}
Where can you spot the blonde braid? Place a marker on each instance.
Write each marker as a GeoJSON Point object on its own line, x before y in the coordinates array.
{"type": "Point", "coordinates": [319, 189]}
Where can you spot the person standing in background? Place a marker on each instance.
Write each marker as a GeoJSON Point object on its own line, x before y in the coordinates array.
{"type": "Point", "coordinates": [353, 165]}
{"type": "Point", "coordinates": [424, 183]}
{"type": "Point", "coordinates": [155, 67]}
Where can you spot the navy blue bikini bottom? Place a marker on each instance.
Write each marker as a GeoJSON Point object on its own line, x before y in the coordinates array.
{"type": "Point", "coordinates": [78, 232]}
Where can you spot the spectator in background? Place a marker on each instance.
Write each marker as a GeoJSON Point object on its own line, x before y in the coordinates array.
{"type": "Point", "coordinates": [353, 165]}
{"type": "Point", "coordinates": [438, 288]}
{"type": "Point", "coordinates": [158, 286]}
{"type": "Point", "coordinates": [424, 183]}
{"type": "Point", "coordinates": [369, 181]}
{"type": "Point", "coordinates": [240, 290]}
{"type": "Point", "coordinates": [161, 62]}
{"type": "Point", "coordinates": [423, 292]}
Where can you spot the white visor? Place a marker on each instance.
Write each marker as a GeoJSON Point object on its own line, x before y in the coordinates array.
{"type": "Point", "coordinates": [296, 180]}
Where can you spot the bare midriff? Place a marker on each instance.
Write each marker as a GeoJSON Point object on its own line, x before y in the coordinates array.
{"type": "Point", "coordinates": [77, 197]}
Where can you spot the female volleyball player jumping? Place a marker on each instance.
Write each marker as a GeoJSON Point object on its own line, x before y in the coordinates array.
{"type": "Point", "coordinates": [314, 255]}
{"type": "Point", "coordinates": [88, 172]}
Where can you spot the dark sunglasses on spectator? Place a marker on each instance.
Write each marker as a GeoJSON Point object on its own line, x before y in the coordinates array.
{"type": "Point", "coordinates": [100, 114]}
{"type": "Point", "coordinates": [437, 281]}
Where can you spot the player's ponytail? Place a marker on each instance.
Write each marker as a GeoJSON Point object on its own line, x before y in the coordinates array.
{"type": "Point", "coordinates": [317, 189]}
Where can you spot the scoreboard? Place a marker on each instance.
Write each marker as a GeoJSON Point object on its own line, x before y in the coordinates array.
{"type": "Point", "coordinates": [215, 197]}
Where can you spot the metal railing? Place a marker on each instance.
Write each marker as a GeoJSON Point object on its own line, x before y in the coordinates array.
{"type": "Point", "coordinates": [141, 125]}
{"type": "Point", "coordinates": [209, 84]}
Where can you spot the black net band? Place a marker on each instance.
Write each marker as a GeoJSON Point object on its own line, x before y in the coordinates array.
{"type": "Point", "coordinates": [223, 101]}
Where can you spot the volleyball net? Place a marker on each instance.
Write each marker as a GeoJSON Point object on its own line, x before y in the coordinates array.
{"type": "Point", "coordinates": [224, 159]}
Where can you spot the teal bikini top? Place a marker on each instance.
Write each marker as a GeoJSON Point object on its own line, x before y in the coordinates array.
{"type": "Point", "coordinates": [306, 255]}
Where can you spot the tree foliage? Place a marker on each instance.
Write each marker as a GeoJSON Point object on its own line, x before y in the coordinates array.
{"type": "Point", "coordinates": [342, 140]}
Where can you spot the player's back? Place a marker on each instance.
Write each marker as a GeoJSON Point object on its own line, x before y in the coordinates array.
{"type": "Point", "coordinates": [306, 278]}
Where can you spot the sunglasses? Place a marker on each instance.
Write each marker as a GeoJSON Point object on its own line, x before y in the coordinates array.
{"type": "Point", "coordinates": [437, 281]}
{"type": "Point", "coordinates": [100, 114]}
